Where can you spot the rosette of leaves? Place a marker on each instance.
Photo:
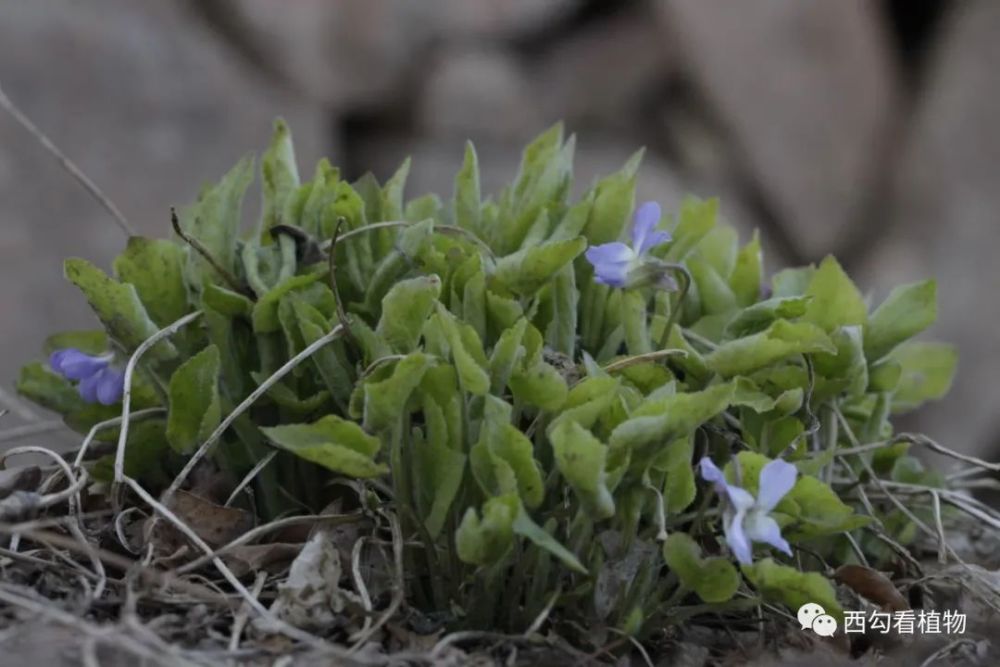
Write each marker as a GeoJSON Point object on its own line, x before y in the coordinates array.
{"type": "Point", "coordinates": [534, 430]}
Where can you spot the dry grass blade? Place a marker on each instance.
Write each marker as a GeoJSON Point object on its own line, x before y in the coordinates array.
{"type": "Point", "coordinates": [206, 446]}
{"type": "Point", "coordinates": [7, 105]}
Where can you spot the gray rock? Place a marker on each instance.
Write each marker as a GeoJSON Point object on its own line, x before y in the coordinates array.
{"type": "Point", "coordinates": [944, 220]}
{"type": "Point", "coordinates": [476, 92]}
{"type": "Point", "coordinates": [600, 73]}
{"type": "Point", "coordinates": [807, 91]}
{"type": "Point", "coordinates": [149, 105]}
{"type": "Point", "coordinates": [363, 53]}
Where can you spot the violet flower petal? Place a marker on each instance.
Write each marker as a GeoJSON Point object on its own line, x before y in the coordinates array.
{"type": "Point", "coordinates": [736, 538]}
{"type": "Point", "coordinates": [759, 527]}
{"type": "Point", "coordinates": [644, 221]}
{"type": "Point", "coordinates": [88, 388]}
{"type": "Point", "coordinates": [110, 386]}
{"type": "Point", "coordinates": [776, 479]}
{"type": "Point", "coordinates": [76, 365]}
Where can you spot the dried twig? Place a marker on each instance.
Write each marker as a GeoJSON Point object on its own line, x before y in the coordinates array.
{"type": "Point", "coordinates": [7, 105]}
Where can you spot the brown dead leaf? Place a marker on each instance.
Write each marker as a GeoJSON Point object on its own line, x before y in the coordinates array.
{"type": "Point", "coordinates": [215, 524]}
{"type": "Point", "coordinates": [873, 586]}
{"type": "Point", "coordinates": [250, 558]}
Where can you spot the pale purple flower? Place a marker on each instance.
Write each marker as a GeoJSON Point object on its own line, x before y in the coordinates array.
{"type": "Point", "coordinates": [746, 519]}
{"type": "Point", "coordinates": [99, 381]}
{"type": "Point", "coordinates": [614, 262]}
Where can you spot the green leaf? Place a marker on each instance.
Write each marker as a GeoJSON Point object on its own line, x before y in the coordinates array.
{"type": "Point", "coordinates": [280, 178]}
{"type": "Point", "coordinates": [836, 301]}
{"type": "Point", "coordinates": [563, 297]}
{"type": "Point", "coordinates": [927, 372]}
{"type": "Point", "coordinates": [907, 311]}
{"type": "Point", "coordinates": [215, 222]}
{"type": "Point", "coordinates": [671, 417]}
{"type": "Point", "coordinates": [226, 302]}
{"type": "Point", "coordinates": [48, 389]}
{"type": "Point", "coordinates": [440, 468]}
{"type": "Point", "coordinates": [405, 309]}
{"type": "Point", "coordinates": [759, 316]}
{"type": "Point", "coordinates": [792, 282]}
{"type": "Point", "coordinates": [529, 269]}
{"type": "Point", "coordinates": [679, 488]}
{"type": "Point", "coordinates": [781, 340]}
{"type": "Point", "coordinates": [467, 196]}
{"type": "Point", "coordinates": [118, 307]}
{"type": "Point", "coordinates": [792, 588]}
{"type": "Point", "coordinates": [505, 355]}
{"type": "Point", "coordinates": [716, 296]}
{"type": "Point", "coordinates": [90, 342]}
{"type": "Point", "coordinates": [745, 279]}
{"type": "Point", "coordinates": [392, 193]}
{"type": "Point", "coordinates": [581, 459]}
{"type": "Point", "coordinates": [385, 401]}
{"type": "Point", "coordinates": [332, 442]}
{"type": "Point", "coordinates": [195, 408]}
{"type": "Point", "coordinates": [713, 579]}
{"type": "Point", "coordinates": [541, 385]}
{"type": "Point", "coordinates": [466, 352]}
{"type": "Point", "coordinates": [696, 219]}
{"type": "Point", "coordinates": [485, 541]}
{"type": "Point", "coordinates": [265, 312]}
{"type": "Point", "coordinates": [525, 527]}
{"type": "Point", "coordinates": [503, 460]}
{"type": "Point", "coordinates": [635, 318]}
{"type": "Point", "coordinates": [820, 510]}
{"type": "Point", "coordinates": [613, 201]}
{"type": "Point", "coordinates": [156, 269]}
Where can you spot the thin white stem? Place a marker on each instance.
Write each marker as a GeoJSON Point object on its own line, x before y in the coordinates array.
{"type": "Point", "coordinates": [127, 392]}
{"type": "Point", "coordinates": [206, 446]}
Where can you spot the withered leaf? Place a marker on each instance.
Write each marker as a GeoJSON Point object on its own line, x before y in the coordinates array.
{"type": "Point", "coordinates": [873, 586]}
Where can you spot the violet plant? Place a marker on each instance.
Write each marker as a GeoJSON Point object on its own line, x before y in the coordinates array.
{"type": "Point", "coordinates": [529, 396]}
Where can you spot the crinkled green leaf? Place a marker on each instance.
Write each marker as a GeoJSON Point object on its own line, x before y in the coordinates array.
{"type": "Point", "coordinates": [784, 584]}
{"type": "Point", "coordinates": [713, 579]}
{"type": "Point", "coordinates": [385, 401]}
{"type": "Point", "coordinates": [265, 311]}
{"type": "Point", "coordinates": [332, 442]}
{"type": "Point", "coordinates": [280, 176]}
{"type": "Point", "coordinates": [541, 385]}
{"type": "Point", "coordinates": [156, 269]}
{"type": "Point", "coordinates": [581, 458]}
{"type": "Point", "coordinates": [503, 460]}
{"type": "Point", "coordinates": [118, 307]}
{"type": "Point", "coordinates": [405, 310]}
{"type": "Point", "coordinates": [226, 302]}
{"type": "Point", "coordinates": [781, 340]}
{"type": "Point", "coordinates": [467, 197]}
{"type": "Point", "coordinates": [89, 342]}
{"type": "Point", "coordinates": [672, 417]}
{"type": "Point", "coordinates": [215, 222]}
{"type": "Point", "coordinates": [759, 316]}
{"type": "Point", "coordinates": [483, 541]}
{"type": "Point", "coordinates": [528, 269]}
{"type": "Point", "coordinates": [195, 406]}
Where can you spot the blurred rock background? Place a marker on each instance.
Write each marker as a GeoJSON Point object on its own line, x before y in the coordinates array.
{"type": "Point", "coordinates": [859, 127]}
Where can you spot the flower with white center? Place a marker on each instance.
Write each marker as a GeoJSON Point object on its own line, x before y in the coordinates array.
{"type": "Point", "coordinates": [747, 519]}
{"type": "Point", "coordinates": [620, 265]}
